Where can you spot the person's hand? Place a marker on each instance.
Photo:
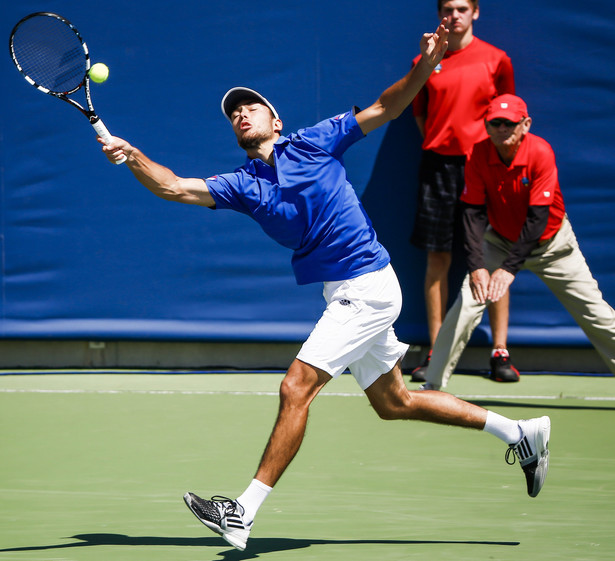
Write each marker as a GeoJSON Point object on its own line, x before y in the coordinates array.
{"type": "Point", "coordinates": [434, 45]}
{"type": "Point", "coordinates": [479, 284]}
{"type": "Point", "coordinates": [498, 284]}
{"type": "Point", "coordinates": [116, 149]}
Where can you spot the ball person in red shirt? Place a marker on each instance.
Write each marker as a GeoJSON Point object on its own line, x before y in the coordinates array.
{"type": "Point", "coordinates": [449, 113]}
{"type": "Point", "coordinates": [514, 218]}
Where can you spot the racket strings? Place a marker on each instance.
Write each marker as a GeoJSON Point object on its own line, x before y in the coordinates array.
{"type": "Point", "coordinates": [50, 53]}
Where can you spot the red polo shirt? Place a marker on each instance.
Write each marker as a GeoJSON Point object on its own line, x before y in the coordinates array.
{"type": "Point", "coordinates": [508, 191]}
{"type": "Point", "coordinates": [456, 95]}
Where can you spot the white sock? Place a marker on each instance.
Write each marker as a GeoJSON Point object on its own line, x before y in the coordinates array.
{"type": "Point", "coordinates": [502, 352]}
{"type": "Point", "coordinates": [505, 429]}
{"type": "Point", "coordinates": [253, 498]}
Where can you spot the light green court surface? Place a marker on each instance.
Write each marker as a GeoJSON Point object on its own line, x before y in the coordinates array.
{"type": "Point", "coordinates": [93, 467]}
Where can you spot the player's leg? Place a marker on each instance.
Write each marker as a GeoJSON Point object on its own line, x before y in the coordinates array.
{"type": "Point", "coordinates": [391, 400]}
{"type": "Point", "coordinates": [339, 338]}
{"type": "Point", "coordinates": [233, 519]}
{"type": "Point", "coordinates": [299, 387]}
{"type": "Point", "coordinates": [527, 439]}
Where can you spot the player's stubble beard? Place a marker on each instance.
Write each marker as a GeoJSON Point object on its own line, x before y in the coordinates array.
{"type": "Point", "coordinates": [254, 138]}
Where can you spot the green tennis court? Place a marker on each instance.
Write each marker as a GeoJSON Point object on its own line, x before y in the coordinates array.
{"type": "Point", "coordinates": [94, 466]}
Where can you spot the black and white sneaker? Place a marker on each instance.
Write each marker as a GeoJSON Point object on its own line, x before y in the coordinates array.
{"type": "Point", "coordinates": [222, 515]}
{"type": "Point", "coordinates": [533, 452]}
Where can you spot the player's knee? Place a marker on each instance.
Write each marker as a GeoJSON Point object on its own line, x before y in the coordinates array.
{"type": "Point", "coordinates": [386, 414]}
{"type": "Point", "coordinates": [390, 414]}
{"type": "Point", "coordinates": [286, 390]}
{"type": "Point", "coordinates": [393, 409]}
{"type": "Point", "coordinates": [294, 390]}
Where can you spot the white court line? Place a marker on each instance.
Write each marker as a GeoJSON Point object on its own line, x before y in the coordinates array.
{"type": "Point", "coordinates": [491, 396]}
{"type": "Point", "coordinates": [147, 392]}
{"type": "Point", "coordinates": [276, 393]}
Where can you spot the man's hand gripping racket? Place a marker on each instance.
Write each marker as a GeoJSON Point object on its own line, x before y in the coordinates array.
{"type": "Point", "coordinates": [116, 149]}
{"type": "Point", "coordinates": [52, 56]}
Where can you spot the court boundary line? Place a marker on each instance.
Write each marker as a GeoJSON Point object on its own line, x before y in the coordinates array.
{"type": "Point", "coordinates": [227, 370]}
{"type": "Point", "coordinates": [276, 393]}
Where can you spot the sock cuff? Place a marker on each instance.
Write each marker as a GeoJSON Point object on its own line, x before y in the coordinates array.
{"type": "Point", "coordinates": [261, 485]}
{"type": "Point", "coordinates": [503, 428]}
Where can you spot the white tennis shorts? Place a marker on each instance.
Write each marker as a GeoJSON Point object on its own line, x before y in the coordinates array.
{"type": "Point", "coordinates": [355, 330]}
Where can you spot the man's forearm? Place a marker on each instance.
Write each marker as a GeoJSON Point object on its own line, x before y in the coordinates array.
{"type": "Point", "coordinates": [474, 224]}
{"type": "Point", "coordinates": [158, 179]}
{"type": "Point", "coordinates": [397, 97]}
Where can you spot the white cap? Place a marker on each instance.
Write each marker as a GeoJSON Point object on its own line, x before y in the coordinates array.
{"type": "Point", "coordinates": [235, 95]}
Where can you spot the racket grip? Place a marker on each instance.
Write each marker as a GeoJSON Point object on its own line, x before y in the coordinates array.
{"type": "Point", "coordinates": [103, 132]}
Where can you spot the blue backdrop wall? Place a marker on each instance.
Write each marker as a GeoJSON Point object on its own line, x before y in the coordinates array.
{"type": "Point", "coordinates": [86, 252]}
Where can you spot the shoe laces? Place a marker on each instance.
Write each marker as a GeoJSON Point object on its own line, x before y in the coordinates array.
{"type": "Point", "coordinates": [510, 452]}
{"type": "Point", "coordinates": [226, 506]}
{"type": "Point", "coordinates": [521, 450]}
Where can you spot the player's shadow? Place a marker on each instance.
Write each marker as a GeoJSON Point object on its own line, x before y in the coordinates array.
{"type": "Point", "coordinates": [490, 403]}
{"type": "Point", "coordinates": [256, 546]}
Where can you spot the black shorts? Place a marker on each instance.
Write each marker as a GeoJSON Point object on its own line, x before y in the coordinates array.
{"type": "Point", "coordinates": [438, 214]}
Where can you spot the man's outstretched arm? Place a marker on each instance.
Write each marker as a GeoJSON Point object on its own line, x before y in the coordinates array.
{"type": "Point", "coordinates": [158, 179]}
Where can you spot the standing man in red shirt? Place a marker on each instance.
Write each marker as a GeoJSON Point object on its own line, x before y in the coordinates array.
{"type": "Point", "coordinates": [514, 218]}
{"type": "Point", "coordinates": [449, 113]}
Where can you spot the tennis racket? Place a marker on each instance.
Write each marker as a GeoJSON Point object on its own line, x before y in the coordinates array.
{"type": "Point", "coordinates": [52, 56]}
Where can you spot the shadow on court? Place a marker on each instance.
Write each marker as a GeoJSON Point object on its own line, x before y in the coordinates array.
{"type": "Point", "coordinates": [256, 545]}
{"type": "Point", "coordinates": [487, 403]}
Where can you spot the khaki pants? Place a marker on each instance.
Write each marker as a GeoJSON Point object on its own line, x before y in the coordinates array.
{"type": "Point", "coordinates": [562, 267]}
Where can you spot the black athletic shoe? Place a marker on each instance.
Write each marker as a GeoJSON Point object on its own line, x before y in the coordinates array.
{"type": "Point", "coordinates": [223, 516]}
{"type": "Point", "coordinates": [502, 369]}
{"type": "Point", "coordinates": [418, 374]}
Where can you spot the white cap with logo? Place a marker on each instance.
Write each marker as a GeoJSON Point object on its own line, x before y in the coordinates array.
{"type": "Point", "coordinates": [237, 94]}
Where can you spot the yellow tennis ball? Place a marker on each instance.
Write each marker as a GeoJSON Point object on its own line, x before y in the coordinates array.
{"type": "Point", "coordinates": [99, 72]}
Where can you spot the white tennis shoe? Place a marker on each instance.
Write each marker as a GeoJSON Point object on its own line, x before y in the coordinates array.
{"type": "Point", "coordinates": [533, 452]}
{"type": "Point", "coordinates": [222, 515]}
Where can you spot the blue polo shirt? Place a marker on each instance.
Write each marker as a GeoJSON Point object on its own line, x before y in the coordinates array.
{"type": "Point", "coordinates": [306, 203]}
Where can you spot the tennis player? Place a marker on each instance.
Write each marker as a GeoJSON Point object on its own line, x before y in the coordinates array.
{"type": "Point", "coordinates": [296, 188]}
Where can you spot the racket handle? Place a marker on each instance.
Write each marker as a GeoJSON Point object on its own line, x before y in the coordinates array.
{"type": "Point", "coordinates": [102, 131]}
